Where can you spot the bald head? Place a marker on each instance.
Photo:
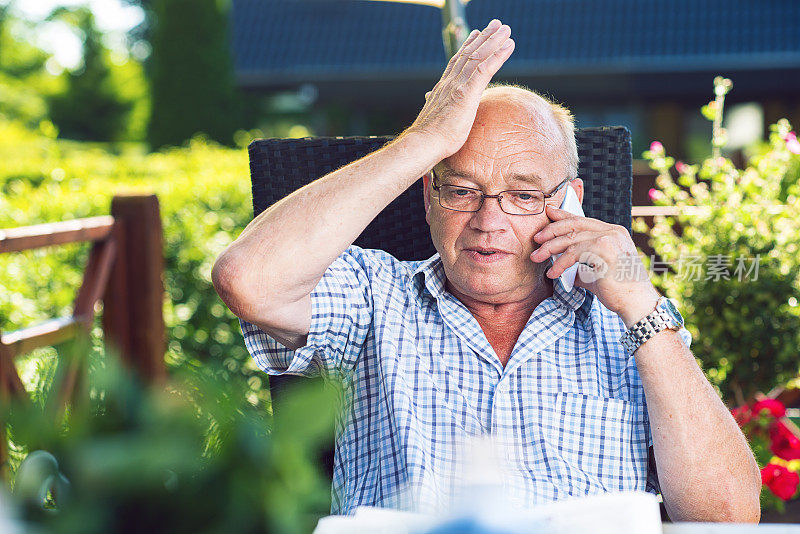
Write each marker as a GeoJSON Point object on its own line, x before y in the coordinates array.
{"type": "Point", "coordinates": [546, 124]}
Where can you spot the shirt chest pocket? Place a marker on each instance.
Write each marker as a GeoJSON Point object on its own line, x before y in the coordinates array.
{"type": "Point", "coordinates": [602, 443]}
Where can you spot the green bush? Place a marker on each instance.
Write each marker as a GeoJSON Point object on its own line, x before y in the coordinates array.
{"type": "Point", "coordinates": [188, 456]}
{"type": "Point", "coordinates": [204, 194]}
{"type": "Point", "coordinates": [745, 324]}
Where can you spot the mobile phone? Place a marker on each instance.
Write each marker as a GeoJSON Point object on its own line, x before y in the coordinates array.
{"type": "Point", "coordinates": [572, 205]}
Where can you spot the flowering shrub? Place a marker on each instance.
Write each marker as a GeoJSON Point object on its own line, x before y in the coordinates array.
{"type": "Point", "coordinates": [746, 329]}
{"type": "Point", "coordinates": [773, 438]}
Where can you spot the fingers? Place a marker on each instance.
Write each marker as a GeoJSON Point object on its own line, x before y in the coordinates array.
{"type": "Point", "coordinates": [486, 69]}
{"type": "Point", "coordinates": [473, 48]}
{"type": "Point", "coordinates": [467, 42]}
{"type": "Point", "coordinates": [559, 244]}
{"type": "Point", "coordinates": [483, 49]}
{"type": "Point", "coordinates": [557, 214]}
{"type": "Point", "coordinates": [572, 255]}
{"type": "Point", "coordinates": [569, 224]}
{"type": "Point", "coordinates": [484, 45]}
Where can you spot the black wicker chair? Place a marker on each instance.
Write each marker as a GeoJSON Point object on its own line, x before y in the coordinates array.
{"type": "Point", "coordinates": [280, 166]}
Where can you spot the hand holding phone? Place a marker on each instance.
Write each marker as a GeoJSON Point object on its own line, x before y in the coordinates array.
{"type": "Point", "coordinates": [572, 205]}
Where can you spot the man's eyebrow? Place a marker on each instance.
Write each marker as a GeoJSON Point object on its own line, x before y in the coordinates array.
{"type": "Point", "coordinates": [447, 172]}
{"type": "Point", "coordinates": [532, 179]}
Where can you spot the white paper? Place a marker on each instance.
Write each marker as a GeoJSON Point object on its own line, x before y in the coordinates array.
{"type": "Point", "coordinates": [609, 513]}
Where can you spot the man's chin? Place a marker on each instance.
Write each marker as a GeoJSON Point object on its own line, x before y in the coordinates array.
{"type": "Point", "coordinates": [492, 290]}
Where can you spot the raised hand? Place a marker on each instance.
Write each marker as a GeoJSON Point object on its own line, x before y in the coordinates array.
{"type": "Point", "coordinates": [450, 107]}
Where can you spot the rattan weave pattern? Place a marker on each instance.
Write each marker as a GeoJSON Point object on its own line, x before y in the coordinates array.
{"type": "Point", "coordinates": [280, 166]}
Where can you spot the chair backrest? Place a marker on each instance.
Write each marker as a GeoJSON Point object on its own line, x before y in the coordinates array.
{"type": "Point", "coordinates": [280, 166]}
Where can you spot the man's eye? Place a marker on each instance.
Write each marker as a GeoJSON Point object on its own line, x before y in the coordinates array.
{"type": "Point", "coordinates": [523, 197]}
{"type": "Point", "coordinates": [463, 192]}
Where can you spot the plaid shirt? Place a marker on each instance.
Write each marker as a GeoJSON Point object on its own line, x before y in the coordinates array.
{"type": "Point", "coordinates": [419, 378]}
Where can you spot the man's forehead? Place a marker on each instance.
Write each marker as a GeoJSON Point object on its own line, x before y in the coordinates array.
{"type": "Point", "coordinates": [515, 129]}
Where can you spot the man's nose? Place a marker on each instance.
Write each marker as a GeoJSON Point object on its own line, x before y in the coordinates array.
{"type": "Point", "coordinates": [490, 217]}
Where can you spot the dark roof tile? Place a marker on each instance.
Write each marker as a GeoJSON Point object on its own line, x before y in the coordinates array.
{"type": "Point", "coordinates": [344, 38]}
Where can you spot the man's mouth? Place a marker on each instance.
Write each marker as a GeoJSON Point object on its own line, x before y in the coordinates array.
{"type": "Point", "coordinates": [486, 251]}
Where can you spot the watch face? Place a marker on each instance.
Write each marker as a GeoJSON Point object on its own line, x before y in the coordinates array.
{"type": "Point", "coordinates": [673, 311]}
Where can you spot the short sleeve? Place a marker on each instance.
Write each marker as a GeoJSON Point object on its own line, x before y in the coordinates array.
{"type": "Point", "coordinates": [341, 317]}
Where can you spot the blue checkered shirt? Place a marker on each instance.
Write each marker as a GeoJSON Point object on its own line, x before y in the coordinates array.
{"type": "Point", "coordinates": [419, 377]}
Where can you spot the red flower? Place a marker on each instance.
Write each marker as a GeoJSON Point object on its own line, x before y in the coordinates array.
{"type": "Point", "coordinates": [742, 414]}
{"type": "Point", "coordinates": [775, 407]}
{"type": "Point", "coordinates": [785, 443]}
{"type": "Point", "coordinates": [780, 480]}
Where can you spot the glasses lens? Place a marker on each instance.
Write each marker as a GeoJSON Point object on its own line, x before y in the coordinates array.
{"type": "Point", "coordinates": [522, 202]}
{"type": "Point", "coordinates": [459, 198]}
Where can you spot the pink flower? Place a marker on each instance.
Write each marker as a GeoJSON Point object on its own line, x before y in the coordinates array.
{"type": "Point", "coordinates": [681, 167]}
{"type": "Point", "coordinates": [654, 194]}
{"type": "Point", "coordinates": [657, 147]}
{"type": "Point", "coordinates": [792, 144]}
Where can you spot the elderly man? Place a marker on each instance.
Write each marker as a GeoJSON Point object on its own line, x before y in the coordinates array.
{"type": "Point", "coordinates": [479, 340]}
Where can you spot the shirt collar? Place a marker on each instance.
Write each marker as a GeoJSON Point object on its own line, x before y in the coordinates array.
{"type": "Point", "coordinates": [572, 299]}
{"type": "Point", "coordinates": [430, 275]}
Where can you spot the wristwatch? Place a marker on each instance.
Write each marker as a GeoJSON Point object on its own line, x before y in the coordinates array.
{"type": "Point", "coordinates": [666, 315]}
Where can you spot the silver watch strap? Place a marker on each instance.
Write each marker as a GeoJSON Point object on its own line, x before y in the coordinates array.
{"type": "Point", "coordinates": [646, 328]}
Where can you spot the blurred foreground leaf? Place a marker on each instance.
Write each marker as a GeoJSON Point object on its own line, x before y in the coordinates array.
{"type": "Point", "coordinates": [188, 456]}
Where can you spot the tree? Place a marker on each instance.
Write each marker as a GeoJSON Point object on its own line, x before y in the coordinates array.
{"type": "Point", "coordinates": [191, 73]}
{"type": "Point", "coordinates": [92, 107]}
{"type": "Point", "coordinates": [24, 82]}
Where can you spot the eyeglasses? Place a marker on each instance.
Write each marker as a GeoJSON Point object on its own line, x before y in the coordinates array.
{"type": "Point", "coordinates": [470, 200]}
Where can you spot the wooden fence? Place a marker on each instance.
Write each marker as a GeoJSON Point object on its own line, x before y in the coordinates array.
{"type": "Point", "coordinates": [124, 270]}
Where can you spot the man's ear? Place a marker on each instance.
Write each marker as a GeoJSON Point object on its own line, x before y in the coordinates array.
{"type": "Point", "coordinates": [426, 194]}
{"type": "Point", "coordinates": [577, 185]}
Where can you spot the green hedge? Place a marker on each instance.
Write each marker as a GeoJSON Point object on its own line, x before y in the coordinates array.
{"type": "Point", "coordinates": [204, 194]}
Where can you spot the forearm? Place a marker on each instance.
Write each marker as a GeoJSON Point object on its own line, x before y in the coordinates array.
{"type": "Point", "coordinates": [705, 467]}
{"type": "Point", "coordinates": [282, 254]}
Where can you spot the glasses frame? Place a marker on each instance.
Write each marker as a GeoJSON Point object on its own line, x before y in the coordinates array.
{"type": "Point", "coordinates": [499, 196]}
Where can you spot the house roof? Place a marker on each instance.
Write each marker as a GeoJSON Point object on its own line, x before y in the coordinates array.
{"type": "Point", "coordinates": [285, 41]}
